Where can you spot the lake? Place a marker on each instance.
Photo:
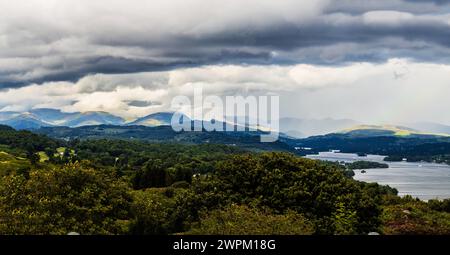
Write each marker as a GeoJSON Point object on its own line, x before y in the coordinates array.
{"type": "Point", "coordinates": [423, 180]}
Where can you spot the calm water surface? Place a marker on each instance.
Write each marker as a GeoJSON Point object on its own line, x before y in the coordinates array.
{"type": "Point", "coordinates": [422, 180]}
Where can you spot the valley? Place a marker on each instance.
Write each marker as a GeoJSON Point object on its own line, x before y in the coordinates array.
{"type": "Point", "coordinates": [152, 180]}
{"type": "Point", "coordinates": [149, 161]}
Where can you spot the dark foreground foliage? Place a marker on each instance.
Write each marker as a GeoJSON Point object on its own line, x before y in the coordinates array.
{"type": "Point", "coordinates": [131, 187]}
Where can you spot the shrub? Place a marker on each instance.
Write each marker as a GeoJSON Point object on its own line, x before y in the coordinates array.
{"type": "Point", "coordinates": [62, 200]}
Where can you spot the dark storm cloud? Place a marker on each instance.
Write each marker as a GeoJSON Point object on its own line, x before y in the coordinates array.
{"type": "Point", "coordinates": [431, 38]}
{"type": "Point", "coordinates": [438, 2]}
{"type": "Point", "coordinates": [118, 65]}
{"type": "Point", "coordinates": [67, 47]}
{"type": "Point", "coordinates": [359, 7]}
{"type": "Point", "coordinates": [140, 103]}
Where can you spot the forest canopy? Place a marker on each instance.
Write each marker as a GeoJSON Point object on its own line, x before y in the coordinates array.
{"type": "Point", "coordinates": [104, 186]}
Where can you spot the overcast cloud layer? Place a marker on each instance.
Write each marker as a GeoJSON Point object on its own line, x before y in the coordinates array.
{"type": "Point", "coordinates": [130, 57]}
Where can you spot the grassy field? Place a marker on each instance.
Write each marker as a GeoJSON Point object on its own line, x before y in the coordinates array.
{"type": "Point", "coordinates": [43, 156]}
{"type": "Point", "coordinates": [9, 163]}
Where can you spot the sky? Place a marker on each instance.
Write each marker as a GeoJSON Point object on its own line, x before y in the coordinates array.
{"type": "Point", "coordinates": [376, 61]}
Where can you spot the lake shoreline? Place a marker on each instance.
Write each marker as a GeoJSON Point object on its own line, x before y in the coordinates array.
{"type": "Point", "coordinates": [419, 179]}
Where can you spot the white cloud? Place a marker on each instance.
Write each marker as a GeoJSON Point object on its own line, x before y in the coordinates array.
{"type": "Point", "coordinates": [397, 89]}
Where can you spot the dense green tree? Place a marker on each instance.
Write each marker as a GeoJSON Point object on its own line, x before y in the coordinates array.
{"type": "Point", "coordinates": [283, 182]}
{"type": "Point", "coordinates": [366, 165]}
{"type": "Point", "coordinates": [153, 212]}
{"type": "Point", "coordinates": [152, 174]}
{"type": "Point", "coordinates": [243, 220]}
{"type": "Point", "coordinates": [440, 205]}
{"type": "Point", "coordinates": [61, 200]}
{"type": "Point", "coordinates": [25, 141]}
{"type": "Point", "coordinates": [200, 189]}
{"type": "Point", "coordinates": [409, 216]}
{"type": "Point", "coordinates": [33, 157]}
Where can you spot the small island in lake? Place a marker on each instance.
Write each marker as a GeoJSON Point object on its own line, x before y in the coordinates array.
{"type": "Point", "coordinates": [366, 165]}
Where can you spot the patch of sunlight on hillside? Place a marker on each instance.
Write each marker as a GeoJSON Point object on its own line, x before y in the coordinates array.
{"type": "Point", "coordinates": [153, 122]}
{"type": "Point", "coordinates": [9, 163]}
{"type": "Point", "coordinates": [61, 149]}
{"type": "Point", "coordinates": [43, 156]}
{"type": "Point", "coordinates": [403, 133]}
{"type": "Point", "coordinates": [398, 131]}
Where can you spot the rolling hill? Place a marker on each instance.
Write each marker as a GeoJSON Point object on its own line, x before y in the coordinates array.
{"type": "Point", "coordinates": [430, 127]}
{"type": "Point", "coordinates": [93, 118]}
{"type": "Point", "coordinates": [153, 120]}
{"type": "Point", "coordinates": [165, 134]}
{"type": "Point", "coordinates": [396, 143]}
{"type": "Point", "coordinates": [386, 130]}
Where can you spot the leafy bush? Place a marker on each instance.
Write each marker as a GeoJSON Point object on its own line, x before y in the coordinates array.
{"type": "Point", "coordinates": [243, 220]}
{"type": "Point", "coordinates": [62, 200]}
{"type": "Point", "coordinates": [408, 216]}
{"type": "Point", "coordinates": [440, 205]}
{"type": "Point", "coordinates": [284, 182]}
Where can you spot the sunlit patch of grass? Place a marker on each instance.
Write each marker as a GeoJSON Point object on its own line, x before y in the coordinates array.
{"type": "Point", "coordinates": [61, 149]}
{"type": "Point", "coordinates": [43, 156]}
{"type": "Point", "coordinates": [402, 133]}
{"type": "Point", "coordinates": [60, 152]}
{"type": "Point", "coordinates": [10, 163]}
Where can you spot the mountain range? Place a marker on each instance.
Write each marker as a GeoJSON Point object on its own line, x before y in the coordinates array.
{"type": "Point", "coordinates": [431, 143]}
{"type": "Point", "coordinates": [37, 118]}
{"type": "Point", "coordinates": [291, 127]}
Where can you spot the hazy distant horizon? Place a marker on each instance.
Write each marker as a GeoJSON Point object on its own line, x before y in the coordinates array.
{"type": "Point", "coordinates": [311, 123]}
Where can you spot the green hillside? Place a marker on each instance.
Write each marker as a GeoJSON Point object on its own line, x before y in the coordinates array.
{"type": "Point", "coordinates": [388, 129]}
{"type": "Point", "coordinates": [10, 163]}
{"type": "Point", "coordinates": [100, 185]}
